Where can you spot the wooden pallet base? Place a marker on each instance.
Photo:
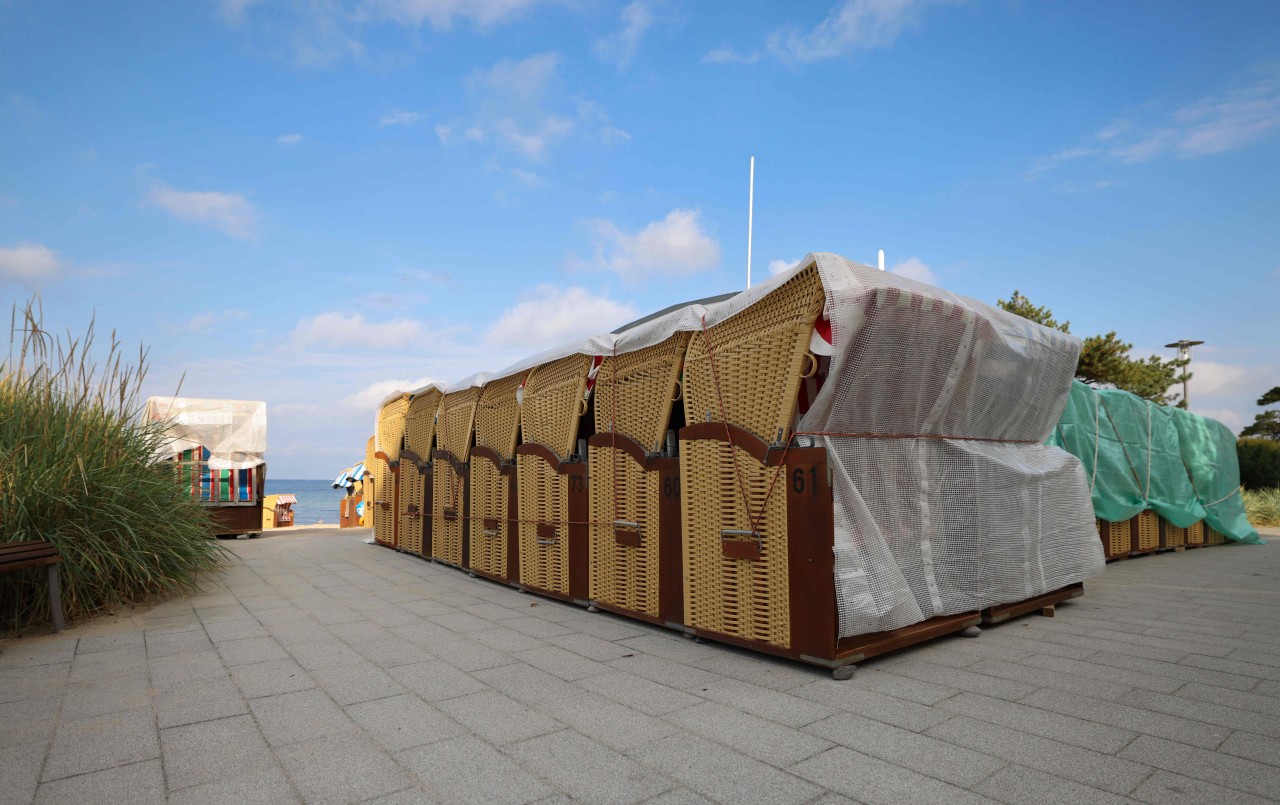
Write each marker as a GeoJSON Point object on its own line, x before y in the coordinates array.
{"type": "Point", "coordinates": [1044, 603]}
{"type": "Point", "coordinates": [865, 646]}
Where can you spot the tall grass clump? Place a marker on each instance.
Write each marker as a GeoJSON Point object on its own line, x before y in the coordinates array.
{"type": "Point", "coordinates": [78, 468]}
{"type": "Point", "coordinates": [1262, 506]}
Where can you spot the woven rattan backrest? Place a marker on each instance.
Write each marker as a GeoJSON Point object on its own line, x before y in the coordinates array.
{"type": "Point", "coordinates": [456, 421]}
{"type": "Point", "coordinates": [498, 415]}
{"type": "Point", "coordinates": [420, 422]}
{"type": "Point", "coordinates": [759, 355]}
{"type": "Point", "coordinates": [391, 426]}
{"type": "Point", "coordinates": [553, 403]}
{"type": "Point", "coordinates": [634, 391]}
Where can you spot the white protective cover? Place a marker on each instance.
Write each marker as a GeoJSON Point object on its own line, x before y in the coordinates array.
{"type": "Point", "coordinates": [934, 414]}
{"type": "Point", "coordinates": [233, 431]}
{"type": "Point", "coordinates": [946, 498]}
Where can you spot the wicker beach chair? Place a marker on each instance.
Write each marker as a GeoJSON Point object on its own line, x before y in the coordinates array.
{"type": "Point", "coordinates": [494, 506]}
{"type": "Point", "coordinates": [455, 427]}
{"type": "Point", "coordinates": [635, 491]}
{"type": "Point", "coordinates": [1172, 538]}
{"type": "Point", "coordinates": [741, 380]}
{"type": "Point", "coordinates": [415, 471]}
{"type": "Point", "coordinates": [552, 488]}
{"type": "Point", "coordinates": [1196, 534]}
{"type": "Point", "coordinates": [1117, 539]}
{"type": "Point", "coordinates": [1145, 537]}
{"type": "Point", "coordinates": [386, 526]}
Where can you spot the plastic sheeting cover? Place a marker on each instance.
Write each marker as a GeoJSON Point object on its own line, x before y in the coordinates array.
{"type": "Point", "coordinates": [936, 408]}
{"type": "Point", "coordinates": [233, 431]}
{"type": "Point", "coordinates": [1141, 456]}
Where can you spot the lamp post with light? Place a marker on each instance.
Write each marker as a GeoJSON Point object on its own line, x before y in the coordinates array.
{"type": "Point", "coordinates": [1184, 354]}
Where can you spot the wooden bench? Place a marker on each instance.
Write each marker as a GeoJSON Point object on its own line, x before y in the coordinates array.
{"type": "Point", "coordinates": [23, 555]}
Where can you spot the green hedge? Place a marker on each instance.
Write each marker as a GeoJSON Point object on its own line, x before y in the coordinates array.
{"type": "Point", "coordinates": [1259, 463]}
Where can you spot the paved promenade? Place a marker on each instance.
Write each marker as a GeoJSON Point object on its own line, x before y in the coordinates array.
{"type": "Point", "coordinates": [322, 669]}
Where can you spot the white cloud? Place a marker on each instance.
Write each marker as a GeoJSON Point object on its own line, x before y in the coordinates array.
{"type": "Point", "coordinates": [1074, 187]}
{"type": "Point", "coordinates": [233, 11]}
{"type": "Point", "coordinates": [1215, 124]}
{"type": "Point", "coordinates": [399, 118]}
{"type": "Point", "coordinates": [369, 397]}
{"type": "Point", "coordinates": [914, 268]}
{"type": "Point", "coordinates": [521, 106]}
{"type": "Point", "coordinates": [289, 139]}
{"type": "Point", "coordinates": [441, 14]}
{"type": "Point", "coordinates": [1045, 164]}
{"type": "Point", "coordinates": [28, 262]}
{"type": "Point", "coordinates": [340, 332]}
{"type": "Point", "coordinates": [512, 96]}
{"type": "Point", "coordinates": [534, 143]}
{"type": "Point", "coordinates": [727, 55]}
{"type": "Point", "coordinates": [620, 48]}
{"type": "Point", "coordinates": [851, 25]}
{"type": "Point", "coordinates": [207, 321]}
{"type": "Point", "coordinates": [612, 135]}
{"type": "Point", "coordinates": [1212, 378]}
{"type": "Point", "coordinates": [676, 245]}
{"type": "Point", "coordinates": [230, 213]}
{"type": "Point", "coordinates": [524, 81]}
{"type": "Point", "coordinates": [552, 315]}
{"type": "Point", "coordinates": [776, 267]}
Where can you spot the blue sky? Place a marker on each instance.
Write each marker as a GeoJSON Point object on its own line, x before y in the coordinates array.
{"type": "Point", "coordinates": [313, 202]}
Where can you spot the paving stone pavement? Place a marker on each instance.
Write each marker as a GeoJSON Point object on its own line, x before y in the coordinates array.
{"type": "Point", "coordinates": [317, 668]}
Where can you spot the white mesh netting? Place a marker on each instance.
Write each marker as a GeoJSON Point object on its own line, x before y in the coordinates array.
{"type": "Point", "coordinates": [946, 501]}
{"type": "Point", "coordinates": [934, 412]}
{"type": "Point", "coordinates": [233, 431]}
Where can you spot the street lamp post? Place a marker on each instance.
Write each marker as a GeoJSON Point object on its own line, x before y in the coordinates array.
{"type": "Point", "coordinates": [1184, 354]}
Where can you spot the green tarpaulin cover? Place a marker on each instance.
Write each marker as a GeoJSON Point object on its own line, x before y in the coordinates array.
{"type": "Point", "coordinates": [1138, 456]}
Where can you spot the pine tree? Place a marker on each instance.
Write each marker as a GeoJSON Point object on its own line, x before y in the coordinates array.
{"type": "Point", "coordinates": [1105, 358]}
{"type": "Point", "coordinates": [1266, 424]}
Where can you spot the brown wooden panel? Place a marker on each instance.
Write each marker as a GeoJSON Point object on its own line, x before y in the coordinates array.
{"type": "Point", "coordinates": [17, 551]}
{"type": "Point", "coordinates": [236, 519]}
{"type": "Point", "coordinates": [579, 531]}
{"type": "Point", "coordinates": [741, 549]}
{"type": "Point", "coordinates": [626, 536]}
{"type": "Point", "coordinates": [860, 647]}
{"type": "Point", "coordinates": [513, 533]}
{"type": "Point", "coordinates": [724, 432]}
{"type": "Point", "coordinates": [1004, 612]}
{"type": "Point", "coordinates": [811, 556]}
{"type": "Point", "coordinates": [546, 531]}
{"type": "Point", "coordinates": [395, 505]}
{"type": "Point", "coordinates": [28, 563]}
{"type": "Point", "coordinates": [543, 452]}
{"type": "Point", "coordinates": [429, 499]}
{"type": "Point", "coordinates": [671, 551]}
{"type": "Point", "coordinates": [620, 442]}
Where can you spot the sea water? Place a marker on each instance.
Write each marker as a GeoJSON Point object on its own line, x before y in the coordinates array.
{"type": "Point", "coordinates": [317, 501]}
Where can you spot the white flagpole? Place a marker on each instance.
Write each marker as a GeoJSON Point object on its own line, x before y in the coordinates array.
{"type": "Point", "coordinates": [881, 260]}
{"type": "Point", "coordinates": [751, 204]}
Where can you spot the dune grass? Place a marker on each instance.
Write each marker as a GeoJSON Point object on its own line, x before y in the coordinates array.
{"type": "Point", "coordinates": [78, 468]}
{"type": "Point", "coordinates": [1262, 506]}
